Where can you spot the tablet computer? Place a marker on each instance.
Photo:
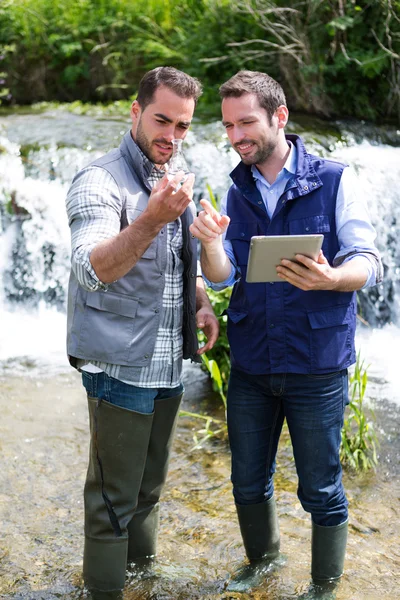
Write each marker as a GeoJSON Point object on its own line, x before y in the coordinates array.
{"type": "Point", "coordinates": [266, 252]}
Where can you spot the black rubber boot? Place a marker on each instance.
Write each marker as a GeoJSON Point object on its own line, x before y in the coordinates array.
{"type": "Point", "coordinates": [143, 527]}
{"type": "Point", "coordinates": [118, 450]}
{"type": "Point", "coordinates": [328, 548]}
{"type": "Point", "coordinates": [260, 532]}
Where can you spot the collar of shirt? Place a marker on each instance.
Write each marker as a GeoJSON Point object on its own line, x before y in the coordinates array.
{"type": "Point", "coordinates": [271, 192]}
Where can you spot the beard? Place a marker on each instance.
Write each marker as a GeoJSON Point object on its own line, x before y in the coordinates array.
{"type": "Point", "coordinates": [146, 146]}
{"type": "Point", "coordinates": [265, 149]}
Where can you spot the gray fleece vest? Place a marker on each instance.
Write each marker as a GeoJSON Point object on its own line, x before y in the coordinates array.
{"type": "Point", "coordinates": [120, 325]}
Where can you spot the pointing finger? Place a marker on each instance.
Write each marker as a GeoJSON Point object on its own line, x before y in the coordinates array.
{"type": "Point", "coordinates": [210, 210]}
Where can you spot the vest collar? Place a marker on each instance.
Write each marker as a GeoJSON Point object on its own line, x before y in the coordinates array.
{"type": "Point", "coordinates": [130, 150]}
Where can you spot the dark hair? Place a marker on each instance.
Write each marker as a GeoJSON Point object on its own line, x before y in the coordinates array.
{"type": "Point", "coordinates": [180, 83]}
{"type": "Point", "coordinates": [269, 93]}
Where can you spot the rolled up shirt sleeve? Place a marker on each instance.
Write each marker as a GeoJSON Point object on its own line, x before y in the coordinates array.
{"type": "Point", "coordinates": [94, 213]}
{"type": "Point", "coordinates": [355, 232]}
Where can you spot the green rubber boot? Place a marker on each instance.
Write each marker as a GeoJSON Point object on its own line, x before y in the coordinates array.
{"type": "Point", "coordinates": [260, 532]}
{"type": "Point", "coordinates": [143, 527]}
{"type": "Point", "coordinates": [328, 548]}
{"type": "Point", "coordinates": [118, 450]}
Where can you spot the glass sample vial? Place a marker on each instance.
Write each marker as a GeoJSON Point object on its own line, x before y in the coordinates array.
{"type": "Point", "coordinates": [177, 161]}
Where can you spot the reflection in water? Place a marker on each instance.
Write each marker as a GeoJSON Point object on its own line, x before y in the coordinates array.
{"type": "Point", "coordinates": [45, 446]}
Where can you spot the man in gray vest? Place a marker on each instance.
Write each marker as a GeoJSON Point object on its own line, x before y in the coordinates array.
{"type": "Point", "coordinates": [133, 306]}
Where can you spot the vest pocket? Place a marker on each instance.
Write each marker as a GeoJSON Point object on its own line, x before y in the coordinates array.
{"type": "Point", "coordinates": [330, 337]}
{"type": "Point", "coordinates": [235, 315]}
{"type": "Point", "coordinates": [307, 225]}
{"type": "Point", "coordinates": [240, 234]}
{"type": "Point", "coordinates": [107, 327]}
{"type": "Point", "coordinates": [238, 333]}
{"type": "Point", "coordinates": [151, 252]}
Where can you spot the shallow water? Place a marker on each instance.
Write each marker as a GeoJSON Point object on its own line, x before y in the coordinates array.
{"type": "Point", "coordinates": [43, 424]}
{"type": "Point", "coordinates": [44, 448]}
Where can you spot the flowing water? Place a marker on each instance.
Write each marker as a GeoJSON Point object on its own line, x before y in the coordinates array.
{"type": "Point", "coordinates": [43, 424]}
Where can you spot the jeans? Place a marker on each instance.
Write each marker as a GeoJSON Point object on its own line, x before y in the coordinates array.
{"type": "Point", "coordinates": [314, 409]}
{"type": "Point", "coordinates": [139, 399]}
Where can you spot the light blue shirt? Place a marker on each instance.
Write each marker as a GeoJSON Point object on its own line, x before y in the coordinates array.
{"type": "Point", "coordinates": [354, 229]}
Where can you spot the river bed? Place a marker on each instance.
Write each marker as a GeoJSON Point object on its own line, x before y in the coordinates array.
{"type": "Point", "coordinates": [43, 424]}
{"type": "Point", "coordinates": [44, 448]}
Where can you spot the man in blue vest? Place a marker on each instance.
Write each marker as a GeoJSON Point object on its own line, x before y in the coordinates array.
{"type": "Point", "coordinates": [292, 341]}
{"type": "Point", "coordinates": [134, 302]}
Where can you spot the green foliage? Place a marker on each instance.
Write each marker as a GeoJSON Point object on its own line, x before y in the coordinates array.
{"type": "Point", "coordinates": [333, 58]}
{"type": "Point", "coordinates": [207, 432]}
{"type": "Point", "coordinates": [98, 50]}
{"type": "Point", "coordinates": [359, 441]}
{"type": "Point", "coordinates": [217, 361]}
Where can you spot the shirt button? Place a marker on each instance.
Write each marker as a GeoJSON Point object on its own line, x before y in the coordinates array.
{"type": "Point", "coordinates": [260, 202]}
{"type": "Point", "coordinates": [305, 187]}
{"type": "Point", "coordinates": [192, 275]}
{"type": "Point", "coordinates": [314, 184]}
{"type": "Point", "coordinates": [307, 229]}
{"type": "Point", "coordinates": [156, 310]}
{"type": "Point", "coordinates": [146, 356]}
{"type": "Point", "coordinates": [283, 201]}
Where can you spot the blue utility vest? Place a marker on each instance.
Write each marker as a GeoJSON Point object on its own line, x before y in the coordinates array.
{"type": "Point", "coordinates": [276, 327]}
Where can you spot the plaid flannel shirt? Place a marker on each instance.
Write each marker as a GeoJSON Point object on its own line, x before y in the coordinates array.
{"type": "Point", "coordinates": [165, 368]}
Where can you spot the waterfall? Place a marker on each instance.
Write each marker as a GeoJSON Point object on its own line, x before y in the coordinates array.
{"type": "Point", "coordinates": [39, 155]}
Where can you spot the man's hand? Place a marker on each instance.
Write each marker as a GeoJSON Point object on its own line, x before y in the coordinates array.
{"type": "Point", "coordinates": [208, 322]}
{"type": "Point", "coordinates": [166, 202]}
{"type": "Point", "coordinates": [309, 274]}
{"type": "Point", "coordinates": [209, 224]}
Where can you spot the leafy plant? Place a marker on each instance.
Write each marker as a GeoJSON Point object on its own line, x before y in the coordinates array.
{"type": "Point", "coordinates": [217, 361]}
{"type": "Point", "coordinates": [207, 431]}
{"type": "Point", "coordinates": [359, 441]}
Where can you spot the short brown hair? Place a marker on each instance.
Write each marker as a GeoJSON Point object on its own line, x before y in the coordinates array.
{"type": "Point", "coordinates": [269, 93]}
{"type": "Point", "coordinates": [180, 83]}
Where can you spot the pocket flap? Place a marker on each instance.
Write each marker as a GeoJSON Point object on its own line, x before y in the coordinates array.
{"type": "Point", "coordinates": [241, 231]}
{"type": "Point", "coordinates": [236, 315]}
{"type": "Point", "coordinates": [307, 225]}
{"type": "Point", "coordinates": [151, 251]}
{"type": "Point", "coordinates": [330, 317]}
{"type": "Point", "coordinates": [114, 303]}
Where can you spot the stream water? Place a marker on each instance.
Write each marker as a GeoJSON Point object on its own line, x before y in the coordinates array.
{"type": "Point", "coordinates": [43, 424]}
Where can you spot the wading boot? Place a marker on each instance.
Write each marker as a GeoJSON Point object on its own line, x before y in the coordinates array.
{"type": "Point", "coordinates": [328, 548]}
{"type": "Point", "coordinates": [260, 532]}
{"type": "Point", "coordinates": [118, 450]}
{"type": "Point", "coordinates": [143, 527]}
